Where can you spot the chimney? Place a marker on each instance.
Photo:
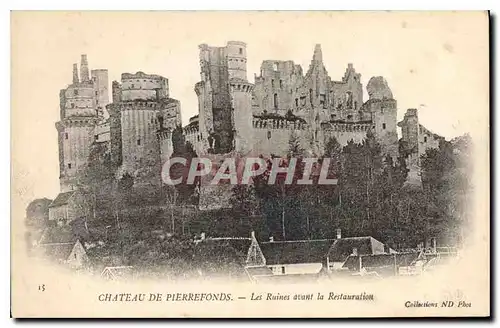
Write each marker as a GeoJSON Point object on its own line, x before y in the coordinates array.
{"type": "Point", "coordinates": [202, 236]}
{"type": "Point", "coordinates": [339, 233]}
{"type": "Point", "coordinates": [271, 239]}
{"type": "Point", "coordinates": [84, 69]}
{"type": "Point", "coordinates": [75, 73]}
{"type": "Point", "coordinates": [252, 234]}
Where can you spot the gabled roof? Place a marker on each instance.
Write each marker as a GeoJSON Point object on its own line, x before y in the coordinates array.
{"type": "Point", "coordinates": [296, 251]}
{"type": "Point", "coordinates": [259, 271]}
{"type": "Point", "coordinates": [222, 257]}
{"type": "Point", "coordinates": [117, 272]}
{"type": "Point", "coordinates": [342, 248]}
{"type": "Point", "coordinates": [58, 252]}
{"type": "Point", "coordinates": [234, 248]}
{"type": "Point", "coordinates": [57, 235]}
{"type": "Point", "coordinates": [62, 199]}
{"type": "Point", "coordinates": [382, 260]}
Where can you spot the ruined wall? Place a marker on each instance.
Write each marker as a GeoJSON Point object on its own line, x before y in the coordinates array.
{"type": "Point", "coordinates": [416, 140]}
{"type": "Point", "coordinates": [171, 113]}
{"type": "Point", "coordinates": [344, 132]}
{"type": "Point", "coordinates": [273, 136]}
{"type": "Point", "coordinates": [101, 87]}
{"type": "Point", "coordinates": [276, 88]}
{"type": "Point", "coordinates": [102, 132]}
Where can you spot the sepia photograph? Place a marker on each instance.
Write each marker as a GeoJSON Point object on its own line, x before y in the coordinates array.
{"type": "Point", "coordinates": [250, 164]}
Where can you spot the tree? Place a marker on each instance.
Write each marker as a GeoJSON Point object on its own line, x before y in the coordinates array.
{"type": "Point", "coordinates": [243, 200]}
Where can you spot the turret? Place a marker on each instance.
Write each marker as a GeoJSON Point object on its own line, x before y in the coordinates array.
{"type": "Point", "coordinates": [75, 74]}
{"type": "Point", "coordinates": [84, 69]}
{"type": "Point", "coordinates": [237, 60]}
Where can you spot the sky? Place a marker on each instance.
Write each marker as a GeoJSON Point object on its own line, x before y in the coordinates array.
{"type": "Point", "coordinates": [436, 62]}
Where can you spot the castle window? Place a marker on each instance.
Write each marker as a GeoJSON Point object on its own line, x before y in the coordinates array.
{"type": "Point", "coordinates": [66, 135]}
{"type": "Point", "coordinates": [383, 126]}
{"type": "Point", "coordinates": [138, 142]}
{"type": "Point", "coordinates": [425, 139]}
{"type": "Point", "coordinates": [96, 137]}
{"type": "Point", "coordinates": [333, 117]}
{"type": "Point", "coordinates": [276, 100]}
{"type": "Point", "coordinates": [296, 102]}
{"type": "Point", "coordinates": [282, 270]}
{"type": "Point", "coordinates": [241, 51]}
{"type": "Point", "coordinates": [349, 117]}
{"type": "Point", "coordinates": [275, 67]}
{"type": "Point", "coordinates": [281, 83]}
{"type": "Point", "coordinates": [272, 83]}
{"type": "Point", "coordinates": [69, 165]}
{"type": "Point", "coordinates": [75, 92]}
{"type": "Point", "coordinates": [268, 134]}
{"type": "Point", "coordinates": [355, 105]}
{"type": "Point", "coordinates": [132, 86]}
{"type": "Point", "coordinates": [72, 105]}
{"type": "Point", "coordinates": [322, 100]}
{"type": "Point", "coordinates": [311, 96]}
{"type": "Point", "coordinates": [97, 93]}
{"type": "Point", "coordinates": [348, 98]}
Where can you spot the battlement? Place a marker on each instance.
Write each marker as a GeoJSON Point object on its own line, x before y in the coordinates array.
{"type": "Point", "coordinates": [140, 104]}
{"type": "Point", "coordinates": [240, 85]}
{"type": "Point", "coordinates": [191, 129]}
{"type": "Point", "coordinates": [342, 126]}
{"type": "Point", "coordinates": [278, 123]}
{"type": "Point", "coordinates": [142, 75]}
{"type": "Point", "coordinates": [164, 134]}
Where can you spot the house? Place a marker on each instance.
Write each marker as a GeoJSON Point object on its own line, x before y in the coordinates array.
{"type": "Point", "coordinates": [296, 257]}
{"type": "Point", "coordinates": [60, 245]}
{"type": "Point", "coordinates": [72, 253]}
{"type": "Point", "coordinates": [385, 264]}
{"type": "Point", "coordinates": [117, 272]}
{"type": "Point", "coordinates": [65, 207]}
{"type": "Point", "coordinates": [223, 256]}
{"type": "Point", "coordinates": [343, 248]}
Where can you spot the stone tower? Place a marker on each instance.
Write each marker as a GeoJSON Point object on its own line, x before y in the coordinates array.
{"type": "Point", "coordinates": [383, 108]}
{"type": "Point", "coordinates": [223, 87]}
{"type": "Point", "coordinates": [140, 105]}
{"type": "Point", "coordinates": [241, 96]}
{"type": "Point", "coordinates": [79, 115]}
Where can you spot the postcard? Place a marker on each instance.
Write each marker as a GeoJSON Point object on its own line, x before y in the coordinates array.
{"type": "Point", "coordinates": [250, 164]}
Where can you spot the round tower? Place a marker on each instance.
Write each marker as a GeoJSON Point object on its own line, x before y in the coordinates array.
{"type": "Point", "coordinates": [241, 95]}
{"type": "Point", "coordinates": [236, 52]}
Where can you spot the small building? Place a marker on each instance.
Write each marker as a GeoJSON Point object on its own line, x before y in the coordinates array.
{"type": "Point", "coordinates": [343, 248]}
{"type": "Point", "coordinates": [64, 209]}
{"type": "Point", "coordinates": [385, 264]}
{"type": "Point", "coordinates": [227, 256]}
{"type": "Point", "coordinates": [62, 246]}
{"type": "Point", "coordinates": [117, 272]}
{"type": "Point", "coordinates": [71, 253]}
{"type": "Point", "coordinates": [296, 257]}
